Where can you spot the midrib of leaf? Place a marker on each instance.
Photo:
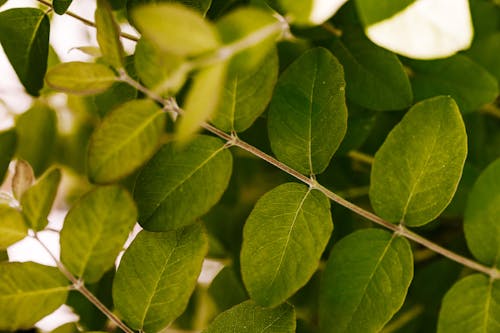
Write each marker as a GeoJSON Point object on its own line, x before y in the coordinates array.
{"type": "Point", "coordinates": [33, 293]}
{"type": "Point", "coordinates": [31, 42]}
{"type": "Point", "coordinates": [487, 306]}
{"type": "Point", "coordinates": [309, 123]}
{"type": "Point", "coordinates": [186, 178]}
{"type": "Point", "coordinates": [234, 92]}
{"type": "Point", "coordinates": [285, 248]}
{"type": "Point", "coordinates": [273, 322]}
{"type": "Point", "coordinates": [123, 143]}
{"type": "Point", "coordinates": [370, 278]}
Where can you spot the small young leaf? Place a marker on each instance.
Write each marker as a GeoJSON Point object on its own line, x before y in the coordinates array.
{"type": "Point", "coordinates": [61, 6]}
{"type": "Point", "coordinates": [417, 169]}
{"type": "Point", "coordinates": [126, 138]}
{"type": "Point", "coordinates": [12, 227]}
{"type": "Point", "coordinates": [80, 78]}
{"type": "Point", "coordinates": [37, 200]}
{"type": "Point", "coordinates": [24, 35]}
{"type": "Point", "coordinates": [469, 84]}
{"type": "Point", "coordinates": [365, 281]}
{"type": "Point", "coordinates": [249, 317]}
{"type": "Point", "coordinates": [482, 214]}
{"type": "Point", "coordinates": [29, 292]}
{"type": "Point", "coordinates": [375, 78]}
{"type": "Point", "coordinates": [472, 305]}
{"type": "Point", "coordinates": [8, 144]}
{"type": "Point", "coordinates": [108, 35]}
{"type": "Point", "coordinates": [283, 239]}
{"type": "Point", "coordinates": [23, 178]}
{"type": "Point", "coordinates": [156, 276]}
{"type": "Point", "coordinates": [95, 230]}
{"type": "Point", "coordinates": [246, 95]}
{"type": "Point", "coordinates": [179, 184]}
{"type": "Point", "coordinates": [308, 115]}
{"type": "Point", "coordinates": [310, 12]}
{"type": "Point", "coordinates": [202, 100]}
{"type": "Point", "coordinates": [175, 29]}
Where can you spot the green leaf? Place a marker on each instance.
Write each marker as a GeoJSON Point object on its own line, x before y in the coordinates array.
{"type": "Point", "coordinates": [417, 169]}
{"type": "Point", "coordinates": [156, 276]}
{"type": "Point", "coordinates": [12, 227]}
{"type": "Point", "coordinates": [8, 144]}
{"type": "Point", "coordinates": [308, 115]}
{"type": "Point", "coordinates": [472, 305]}
{"type": "Point", "coordinates": [481, 217]}
{"type": "Point", "coordinates": [375, 78]}
{"type": "Point", "coordinates": [108, 35]}
{"type": "Point", "coordinates": [36, 136]}
{"type": "Point", "coordinates": [373, 11]}
{"type": "Point", "coordinates": [126, 138]}
{"type": "Point", "coordinates": [80, 78]}
{"type": "Point", "coordinates": [4, 256]}
{"type": "Point", "coordinates": [38, 199]}
{"type": "Point", "coordinates": [246, 95]}
{"type": "Point", "coordinates": [484, 51]}
{"type": "Point", "coordinates": [283, 239]}
{"type": "Point", "coordinates": [310, 12]}
{"type": "Point", "coordinates": [24, 35]}
{"type": "Point", "coordinates": [200, 5]}
{"type": "Point", "coordinates": [61, 6]}
{"type": "Point", "coordinates": [179, 184]}
{"type": "Point", "coordinates": [365, 281]}
{"type": "Point", "coordinates": [202, 100]}
{"type": "Point", "coordinates": [175, 29]}
{"type": "Point", "coordinates": [461, 78]}
{"type": "Point", "coordinates": [249, 317]}
{"type": "Point", "coordinates": [227, 279]}
{"type": "Point", "coordinates": [29, 292]}
{"type": "Point", "coordinates": [23, 178]}
{"type": "Point", "coordinates": [95, 230]}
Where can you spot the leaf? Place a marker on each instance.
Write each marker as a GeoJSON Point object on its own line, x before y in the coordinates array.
{"type": "Point", "coordinates": [37, 201]}
{"type": "Point", "coordinates": [375, 78]}
{"type": "Point", "coordinates": [8, 144]}
{"type": "Point", "coordinates": [24, 35]}
{"type": "Point", "coordinates": [95, 230]}
{"type": "Point", "coordinates": [23, 178]}
{"type": "Point", "coordinates": [283, 239]}
{"type": "Point", "coordinates": [417, 169]}
{"type": "Point", "coordinates": [108, 35]}
{"type": "Point", "coordinates": [483, 52]}
{"type": "Point", "coordinates": [416, 29]}
{"type": "Point", "coordinates": [4, 256]}
{"type": "Point", "coordinates": [126, 138]}
{"type": "Point", "coordinates": [365, 281]}
{"type": "Point", "coordinates": [61, 6]}
{"type": "Point", "coordinates": [12, 228]}
{"type": "Point", "coordinates": [80, 78]}
{"type": "Point", "coordinates": [308, 116]}
{"type": "Point", "coordinates": [249, 317]}
{"type": "Point", "coordinates": [36, 136]}
{"type": "Point", "coordinates": [29, 292]}
{"type": "Point", "coordinates": [178, 185]}
{"type": "Point", "coordinates": [202, 100]}
{"type": "Point", "coordinates": [310, 12]}
{"type": "Point", "coordinates": [156, 276]}
{"type": "Point", "coordinates": [481, 216]}
{"type": "Point", "coordinates": [461, 78]}
{"type": "Point", "coordinates": [175, 29]}
{"type": "Point", "coordinates": [227, 279]}
{"type": "Point", "coordinates": [471, 306]}
{"type": "Point", "coordinates": [200, 5]}
{"type": "Point", "coordinates": [246, 95]}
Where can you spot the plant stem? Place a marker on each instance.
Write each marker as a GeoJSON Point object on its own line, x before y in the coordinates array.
{"type": "Point", "coordinates": [361, 157]}
{"type": "Point", "coordinates": [80, 287]}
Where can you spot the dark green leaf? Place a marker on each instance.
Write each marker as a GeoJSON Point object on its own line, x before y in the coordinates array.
{"type": "Point", "coordinates": [61, 6]}
{"type": "Point", "coordinates": [8, 143]}
{"type": "Point", "coordinates": [179, 184]}
{"type": "Point", "coordinates": [24, 35]}
{"type": "Point", "coordinates": [29, 292]}
{"type": "Point", "coordinates": [80, 78]}
{"type": "Point", "coordinates": [108, 35]}
{"type": "Point", "coordinates": [12, 227]}
{"type": "Point", "coordinates": [283, 239]}
{"type": "Point", "coordinates": [472, 305]}
{"type": "Point", "coordinates": [359, 125]}
{"type": "Point", "coordinates": [156, 276]}
{"type": "Point", "coordinates": [308, 115]}
{"type": "Point", "coordinates": [246, 95]}
{"type": "Point", "coordinates": [37, 200]}
{"type": "Point", "coordinates": [482, 214]}
{"type": "Point", "coordinates": [126, 138]}
{"type": "Point", "coordinates": [365, 281]}
{"type": "Point", "coordinates": [95, 230]}
{"type": "Point", "coordinates": [227, 279]}
{"type": "Point", "coordinates": [4, 256]}
{"type": "Point", "coordinates": [248, 317]}
{"type": "Point", "coordinates": [485, 52]}
{"type": "Point", "coordinates": [373, 11]}
{"type": "Point", "coordinates": [417, 169]}
{"type": "Point", "coordinates": [375, 78]}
